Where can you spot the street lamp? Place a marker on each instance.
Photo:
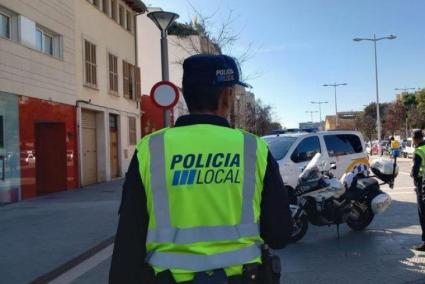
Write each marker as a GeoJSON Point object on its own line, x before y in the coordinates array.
{"type": "Point", "coordinates": [374, 40]}
{"type": "Point", "coordinates": [335, 85]}
{"type": "Point", "coordinates": [320, 109]}
{"type": "Point", "coordinates": [311, 114]}
{"type": "Point", "coordinates": [163, 20]}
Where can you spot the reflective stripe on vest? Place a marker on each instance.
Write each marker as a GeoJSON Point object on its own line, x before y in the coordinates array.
{"type": "Point", "coordinates": [165, 233]}
{"type": "Point", "coordinates": [198, 262]}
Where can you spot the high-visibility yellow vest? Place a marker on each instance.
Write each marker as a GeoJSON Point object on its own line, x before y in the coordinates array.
{"type": "Point", "coordinates": [420, 151]}
{"type": "Point", "coordinates": [203, 186]}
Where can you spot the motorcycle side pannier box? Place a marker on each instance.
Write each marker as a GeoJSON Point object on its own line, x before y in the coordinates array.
{"type": "Point", "coordinates": [384, 169]}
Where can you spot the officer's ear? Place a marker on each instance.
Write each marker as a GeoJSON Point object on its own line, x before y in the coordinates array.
{"type": "Point", "coordinates": [225, 101]}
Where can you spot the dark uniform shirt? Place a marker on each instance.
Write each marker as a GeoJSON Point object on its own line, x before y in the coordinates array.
{"type": "Point", "coordinates": [417, 161]}
{"type": "Point", "coordinates": [128, 260]}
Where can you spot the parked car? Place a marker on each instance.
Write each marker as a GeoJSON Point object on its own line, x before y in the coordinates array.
{"type": "Point", "coordinates": [293, 151]}
{"type": "Point", "coordinates": [408, 149]}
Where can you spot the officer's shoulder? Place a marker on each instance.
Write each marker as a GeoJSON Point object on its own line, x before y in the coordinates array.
{"type": "Point", "coordinates": [146, 138]}
{"type": "Point", "coordinates": [259, 139]}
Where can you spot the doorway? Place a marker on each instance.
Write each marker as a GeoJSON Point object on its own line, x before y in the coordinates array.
{"type": "Point", "coordinates": [50, 162]}
{"type": "Point", "coordinates": [113, 144]}
{"type": "Point", "coordinates": [89, 149]}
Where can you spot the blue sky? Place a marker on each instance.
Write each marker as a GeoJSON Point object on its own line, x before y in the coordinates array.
{"type": "Point", "coordinates": [303, 44]}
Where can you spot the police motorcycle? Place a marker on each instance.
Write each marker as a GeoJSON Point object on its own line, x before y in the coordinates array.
{"type": "Point", "coordinates": [323, 200]}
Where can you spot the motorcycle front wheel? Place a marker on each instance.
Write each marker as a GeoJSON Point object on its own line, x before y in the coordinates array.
{"type": "Point", "coordinates": [299, 229]}
{"type": "Point", "coordinates": [364, 219]}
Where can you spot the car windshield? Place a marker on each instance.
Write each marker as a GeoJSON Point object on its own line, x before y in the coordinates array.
{"type": "Point", "coordinates": [279, 146]}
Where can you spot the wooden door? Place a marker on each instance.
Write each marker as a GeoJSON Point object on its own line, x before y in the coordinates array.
{"type": "Point", "coordinates": [50, 158]}
{"type": "Point", "coordinates": [113, 144]}
{"type": "Point", "coordinates": [89, 146]}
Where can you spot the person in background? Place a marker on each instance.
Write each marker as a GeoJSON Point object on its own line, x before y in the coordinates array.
{"type": "Point", "coordinates": [417, 174]}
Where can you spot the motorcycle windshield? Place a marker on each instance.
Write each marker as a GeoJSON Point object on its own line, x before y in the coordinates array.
{"type": "Point", "coordinates": [312, 166]}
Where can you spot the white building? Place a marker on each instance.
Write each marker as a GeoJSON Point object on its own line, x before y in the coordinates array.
{"type": "Point", "coordinates": [108, 86]}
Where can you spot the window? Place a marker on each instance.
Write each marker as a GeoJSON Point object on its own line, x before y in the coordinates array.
{"type": "Point", "coordinates": [343, 144]}
{"type": "Point", "coordinates": [125, 77]}
{"type": "Point", "coordinates": [129, 27]}
{"type": "Point", "coordinates": [105, 6]}
{"type": "Point", "coordinates": [122, 19]}
{"type": "Point", "coordinates": [132, 130]}
{"type": "Point", "coordinates": [279, 146]}
{"type": "Point", "coordinates": [90, 64]}
{"type": "Point", "coordinates": [114, 10]}
{"type": "Point", "coordinates": [4, 26]}
{"type": "Point", "coordinates": [138, 87]}
{"type": "Point", "coordinates": [113, 74]}
{"type": "Point", "coordinates": [306, 150]}
{"type": "Point", "coordinates": [45, 42]}
{"type": "Point", "coordinates": [129, 80]}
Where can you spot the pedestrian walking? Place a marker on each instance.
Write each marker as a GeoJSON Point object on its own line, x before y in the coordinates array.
{"type": "Point", "coordinates": [417, 174]}
{"type": "Point", "coordinates": [201, 198]}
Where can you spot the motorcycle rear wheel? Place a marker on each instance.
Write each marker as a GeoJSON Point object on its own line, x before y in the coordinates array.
{"type": "Point", "coordinates": [364, 220]}
{"type": "Point", "coordinates": [299, 230]}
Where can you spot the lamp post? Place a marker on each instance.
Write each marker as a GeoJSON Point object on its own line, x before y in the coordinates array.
{"type": "Point", "coordinates": [163, 20]}
{"type": "Point", "coordinates": [320, 110]}
{"type": "Point", "coordinates": [311, 114]}
{"type": "Point", "coordinates": [335, 85]}
{"type": "Point", "coordinates": [375, 40]}
{"type": "Point", "coordinates": [405, 90]}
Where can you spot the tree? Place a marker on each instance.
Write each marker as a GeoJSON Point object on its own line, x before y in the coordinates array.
{"type": "Point", "coordinates": [199, 37]}
{"type": "Point", "coordinates": [395, 118]}
{"type": "Point", "coordinates": [366, 125]}
{"type": "Point", "coordinates": [366, 122]}
{"type": "Point", "coordinates": [263, 119]}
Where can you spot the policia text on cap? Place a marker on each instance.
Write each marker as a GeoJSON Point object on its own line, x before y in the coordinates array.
{"type": "Point", "coordinates": [201, 198]}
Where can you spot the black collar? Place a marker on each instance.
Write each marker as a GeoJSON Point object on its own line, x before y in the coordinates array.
{"type": "Point", "coordinates": [192, 119]}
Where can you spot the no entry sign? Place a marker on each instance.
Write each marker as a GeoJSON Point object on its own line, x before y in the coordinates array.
{"type": "Point", "coordinates": [165, 94]}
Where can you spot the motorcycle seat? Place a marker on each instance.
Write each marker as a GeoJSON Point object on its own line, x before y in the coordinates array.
{"type": "Point", "coordinates": [368, 184]}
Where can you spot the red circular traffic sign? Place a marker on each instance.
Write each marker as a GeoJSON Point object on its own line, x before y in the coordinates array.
{"type": "Point", "coordinates": [165, 94]}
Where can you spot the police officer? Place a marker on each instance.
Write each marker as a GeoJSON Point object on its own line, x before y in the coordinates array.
{"type": "Point", "coordinates": [200, 198]}
{"type": "Point", "coordinates": [418, 172]}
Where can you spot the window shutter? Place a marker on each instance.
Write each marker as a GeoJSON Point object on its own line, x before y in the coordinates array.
{"type": "Point", "coordinates": [138, 84]}
{"type": "Point", "coordinates": [125, 78]}
{"type": "Point", "coordinates": [94, 64]}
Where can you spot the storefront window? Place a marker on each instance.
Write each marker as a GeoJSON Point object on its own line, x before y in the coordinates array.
{"type": "Point", "coordinates": [9, 148]}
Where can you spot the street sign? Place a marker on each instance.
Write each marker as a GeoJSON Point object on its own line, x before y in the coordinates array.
{"type": "Point", "coordinates": [165, 94]}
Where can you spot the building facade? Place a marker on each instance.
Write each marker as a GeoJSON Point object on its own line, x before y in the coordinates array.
{"type": "Point", "coordinates": [346, 121]}
{"type": "Point", "coordinates": [38, 149]}
{"type": "Point", "coordinates": [108, 86]}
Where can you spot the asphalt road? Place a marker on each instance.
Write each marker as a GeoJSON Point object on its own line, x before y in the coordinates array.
{"type": "Point", "coordinates": [38, 236]}
{"type": "Point", "coordinates": [381, 254]}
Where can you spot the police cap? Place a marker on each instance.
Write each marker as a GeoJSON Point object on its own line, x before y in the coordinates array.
{"type": "Point", "coordinates": [211, 70]}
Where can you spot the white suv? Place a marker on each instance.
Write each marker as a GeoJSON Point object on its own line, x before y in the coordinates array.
{"type": "Point", "coordinates": [293, 151]}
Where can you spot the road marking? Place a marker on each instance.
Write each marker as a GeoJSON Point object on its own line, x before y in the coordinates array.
{"type": "Point", "coordinates": [402, 192]}
{"type": "Point", "coordinates": [84, 267]}
{"type": "Point", "coordinates": [71, 264]}
{"type": "Point", "coordinates": [405, 173]}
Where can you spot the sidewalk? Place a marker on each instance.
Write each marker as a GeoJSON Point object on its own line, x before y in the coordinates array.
{"type": "Point", "coordinates": [38, 235]}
